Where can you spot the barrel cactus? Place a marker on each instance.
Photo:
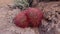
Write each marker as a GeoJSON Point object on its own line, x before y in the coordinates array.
{"type": "Point", "coordinates": [22, 4]}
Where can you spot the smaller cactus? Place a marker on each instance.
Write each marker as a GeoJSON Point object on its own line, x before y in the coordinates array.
{"type": "Point", "coordinates": [22, 4]}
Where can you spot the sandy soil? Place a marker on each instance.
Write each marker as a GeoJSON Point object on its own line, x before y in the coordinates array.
{"type": "Point", "coordinates": [5, 2]}
{"type": "Point", "coordinates": [50, 23]}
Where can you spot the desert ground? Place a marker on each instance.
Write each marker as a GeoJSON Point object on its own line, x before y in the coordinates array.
{"type": "Point", "coordinates": [50, 23]}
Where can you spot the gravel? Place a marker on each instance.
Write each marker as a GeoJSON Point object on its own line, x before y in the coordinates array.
{"type": "Point", "coordinates": [51, 19]}
{"type": "Point", "coordinates": [50, 23]}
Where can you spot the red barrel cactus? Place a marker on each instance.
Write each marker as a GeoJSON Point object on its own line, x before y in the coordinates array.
{"type": "Point", "coordinates": [21, 20]}
{"type": "Point", "coordinates": [29, 17]}
{"type": "Point", "coordinates": [35, 16]}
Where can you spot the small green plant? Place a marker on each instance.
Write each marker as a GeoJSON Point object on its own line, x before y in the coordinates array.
{"type": "Point", "coordinates": [22, 4]}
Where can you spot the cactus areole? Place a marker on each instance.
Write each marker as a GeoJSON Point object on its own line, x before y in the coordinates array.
{"type": "Point", "coordinates": [29, 17]}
